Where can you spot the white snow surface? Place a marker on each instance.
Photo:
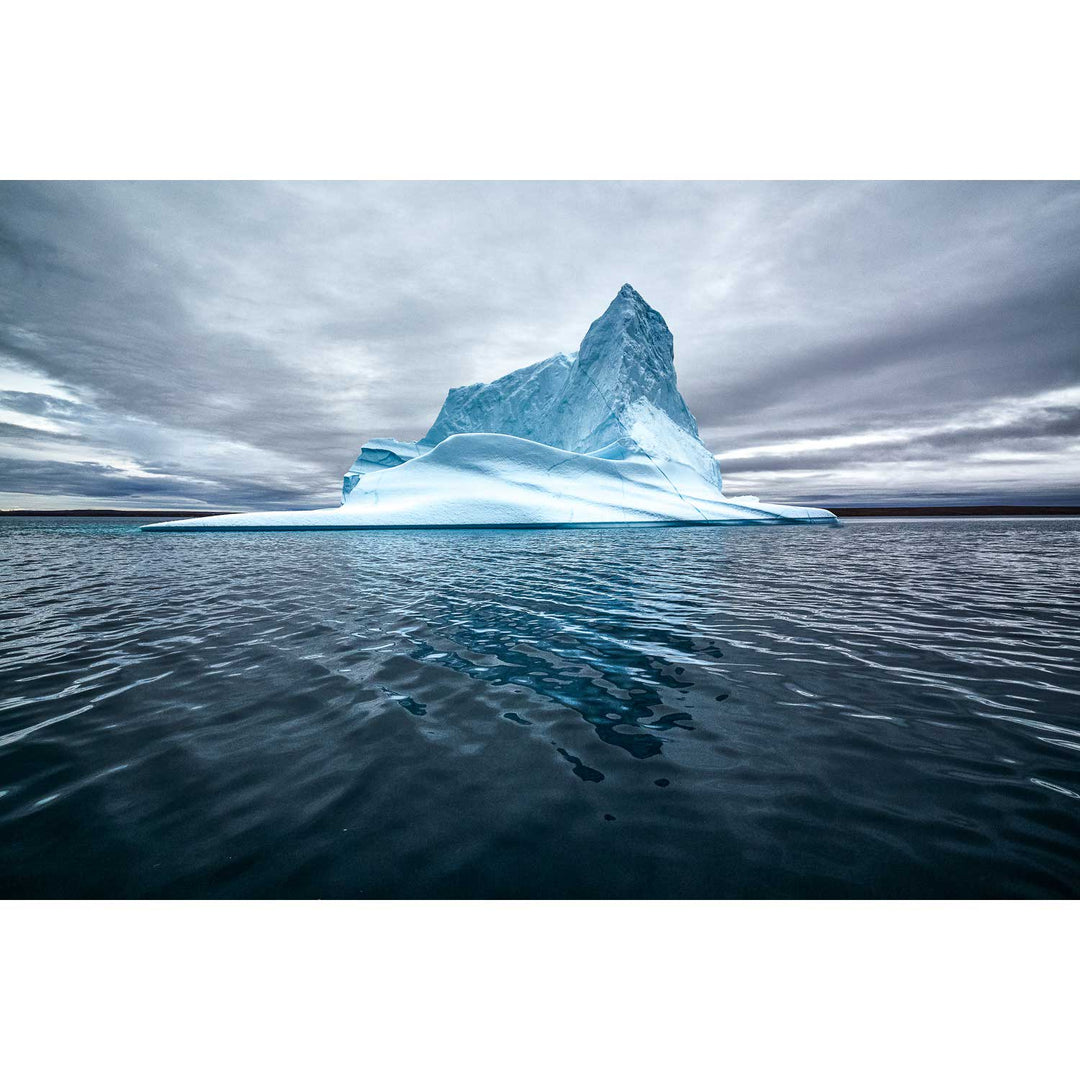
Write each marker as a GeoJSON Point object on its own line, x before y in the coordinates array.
{"type": "Point", "coordinates": [598, 437]}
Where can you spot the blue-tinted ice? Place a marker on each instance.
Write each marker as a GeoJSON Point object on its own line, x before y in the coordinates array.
{"type": "Point", "coordinates": [597, 437]}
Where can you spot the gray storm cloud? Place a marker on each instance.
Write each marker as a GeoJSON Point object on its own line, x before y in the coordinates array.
{"type": "Point", "coordinates": [229, 345]}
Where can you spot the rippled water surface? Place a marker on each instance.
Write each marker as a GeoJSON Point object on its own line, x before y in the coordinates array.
{"type": "Point", "coordinates": [891, 708]}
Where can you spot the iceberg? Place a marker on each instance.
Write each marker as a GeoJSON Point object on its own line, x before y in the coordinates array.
{"type": "Point", "coordinates": [600, 437]}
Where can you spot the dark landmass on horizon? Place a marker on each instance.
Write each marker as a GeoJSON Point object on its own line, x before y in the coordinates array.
{"type": "Point", "coordinates": [840, 511]}
{"type": "Point", "coordinates": [954, 511]}
{"type": "Point", "coordinates": [113, 513]}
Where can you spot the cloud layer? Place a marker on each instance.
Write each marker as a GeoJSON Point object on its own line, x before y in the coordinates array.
{"type": "Point", "coordinates": [231, 345]}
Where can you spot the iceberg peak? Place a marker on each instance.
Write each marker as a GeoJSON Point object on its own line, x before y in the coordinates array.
{"type": "Point", "coordinates": [618, 393]}
{"type": "Point", "coordinates": [579, 401]}
{"type": "Point", "coordinates": [628, 355]}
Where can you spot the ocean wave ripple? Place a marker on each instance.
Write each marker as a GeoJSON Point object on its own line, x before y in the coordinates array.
{"type": "Point", "coordinates": [887, 709]}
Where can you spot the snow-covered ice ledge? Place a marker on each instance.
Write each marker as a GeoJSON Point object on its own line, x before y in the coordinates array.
{"type": "Point", "coordinates": [499, 481]}
{"type": "Point", "coordinates": [600, 438]}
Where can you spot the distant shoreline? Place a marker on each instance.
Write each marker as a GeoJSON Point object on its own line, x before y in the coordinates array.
{"type": "Point", "coordinates": [955, 511]}
{"type": "Point", "coordinates": [839, 511]}
{"type": "Point", "coordinates": [113, 513]}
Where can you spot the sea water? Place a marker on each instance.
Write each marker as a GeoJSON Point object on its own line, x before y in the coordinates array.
{"type": "Point", "coordinates": [888, 709]}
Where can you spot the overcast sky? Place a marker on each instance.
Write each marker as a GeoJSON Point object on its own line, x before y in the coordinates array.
{"type": "Point", "coordinates": [232, 345]}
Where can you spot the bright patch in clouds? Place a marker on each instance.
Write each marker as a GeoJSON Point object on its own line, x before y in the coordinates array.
{"type": "Point", "coordinates": [1002, 414]}
{"type": "Point", "coordinates": [1012, 449]}
{"type": "Point", "coordinates": [31, 423]}
{"type": "Point", "coordinates": [25, 381]}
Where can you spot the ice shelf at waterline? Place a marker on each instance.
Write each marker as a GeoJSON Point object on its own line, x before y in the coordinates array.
{"type": "Point", "coordinates": [597, 437]}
